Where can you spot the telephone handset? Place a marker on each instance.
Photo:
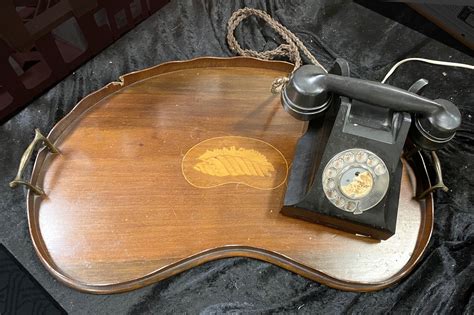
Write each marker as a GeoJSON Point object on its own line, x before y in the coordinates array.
{"type": "Point", "coordinates": [346, 171]}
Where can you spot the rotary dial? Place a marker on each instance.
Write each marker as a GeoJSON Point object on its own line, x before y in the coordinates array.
{"type": "Point", "coordinates": [355, 180]}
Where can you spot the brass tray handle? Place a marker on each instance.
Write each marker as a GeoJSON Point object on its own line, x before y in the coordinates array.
{"type": "Point", "coordinates": [409, 155]}
{"type": "Point", "coordinates": [24, 162]}
{"type": "Point", "coordinates": [439, 177]}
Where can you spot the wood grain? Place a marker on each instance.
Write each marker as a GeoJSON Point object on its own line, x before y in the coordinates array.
{"type": "Point", "coordinates": [119, 214]}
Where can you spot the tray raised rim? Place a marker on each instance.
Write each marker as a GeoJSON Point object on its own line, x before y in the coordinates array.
{"type": "Point", "coordinates": [60, 129]}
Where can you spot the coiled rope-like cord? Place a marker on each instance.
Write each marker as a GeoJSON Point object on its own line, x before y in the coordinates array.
{"type": "Point", "coordinates": [290, 49]}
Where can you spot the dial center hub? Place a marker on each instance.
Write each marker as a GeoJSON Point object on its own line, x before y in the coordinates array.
{"type": "Point", "coordinates": [356, 183]}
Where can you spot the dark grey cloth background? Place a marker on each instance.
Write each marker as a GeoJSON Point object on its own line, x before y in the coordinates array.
{"type": "Point", "coordinates": [441, 283]}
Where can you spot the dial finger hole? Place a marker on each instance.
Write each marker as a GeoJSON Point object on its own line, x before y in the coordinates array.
{"type": "Point", "coordinates": [380, 170]}
{"type": "Point", "coordinates": [340, 202]}
{"type": "Point", "coordinates": [348, 157]}
{"type": "Point", "coordinates": [332, 194]}
{"type": "Point", "coordinates": [331, 172]}
{"type": "Point", "coordinates": [351, 206]}
{"type": "Point", "coordinates": [330, 184]}
{"type": "Point", "coordinates": [372, 161]}
{"type": "Point", "coordinates": [338, 164]}
{"type": "Point", "coordinates": [361, 156]}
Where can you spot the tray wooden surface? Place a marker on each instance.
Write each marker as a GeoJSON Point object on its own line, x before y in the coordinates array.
{"type": "Point", "coordinates": [184, 163]}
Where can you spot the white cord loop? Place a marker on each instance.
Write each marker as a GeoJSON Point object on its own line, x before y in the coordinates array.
{"type": "Point", "coordinates": [434, 62]}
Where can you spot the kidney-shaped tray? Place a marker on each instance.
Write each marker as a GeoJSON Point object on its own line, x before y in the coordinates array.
{"type": "Point", "coordinates": [187, 162]}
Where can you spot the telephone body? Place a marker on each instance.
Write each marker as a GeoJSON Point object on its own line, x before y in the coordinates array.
{"type": "Point", "coordinates": [346, 172]}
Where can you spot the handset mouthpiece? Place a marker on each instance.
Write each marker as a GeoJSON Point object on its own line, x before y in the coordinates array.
{"type": "Point", "coordinates": [305, 95]}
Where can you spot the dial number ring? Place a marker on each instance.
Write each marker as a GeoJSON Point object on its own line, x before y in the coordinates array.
{"type": "Point", "coordinates": [355, 180]}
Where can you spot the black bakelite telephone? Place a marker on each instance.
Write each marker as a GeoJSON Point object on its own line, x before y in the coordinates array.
{"type": "Point", "coordinates": [346, 171]}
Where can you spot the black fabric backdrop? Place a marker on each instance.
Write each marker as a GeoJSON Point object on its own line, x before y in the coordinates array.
{"type": "Point", "coordinates": [371, 42]}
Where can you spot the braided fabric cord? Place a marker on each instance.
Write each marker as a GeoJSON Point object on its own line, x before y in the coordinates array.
{"type": "Point", "coordinates": [290, 49]}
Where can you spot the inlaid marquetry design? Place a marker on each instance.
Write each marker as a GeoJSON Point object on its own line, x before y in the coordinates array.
{"type": "Point", "coordinates": [234, 160]}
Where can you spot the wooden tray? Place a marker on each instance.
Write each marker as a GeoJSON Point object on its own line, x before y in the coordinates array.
{"type": "Point", "coordinates": [135, 195]}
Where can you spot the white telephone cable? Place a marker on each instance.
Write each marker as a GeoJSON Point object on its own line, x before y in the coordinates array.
{"type": "Point", "coordinates": [434, 62]}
